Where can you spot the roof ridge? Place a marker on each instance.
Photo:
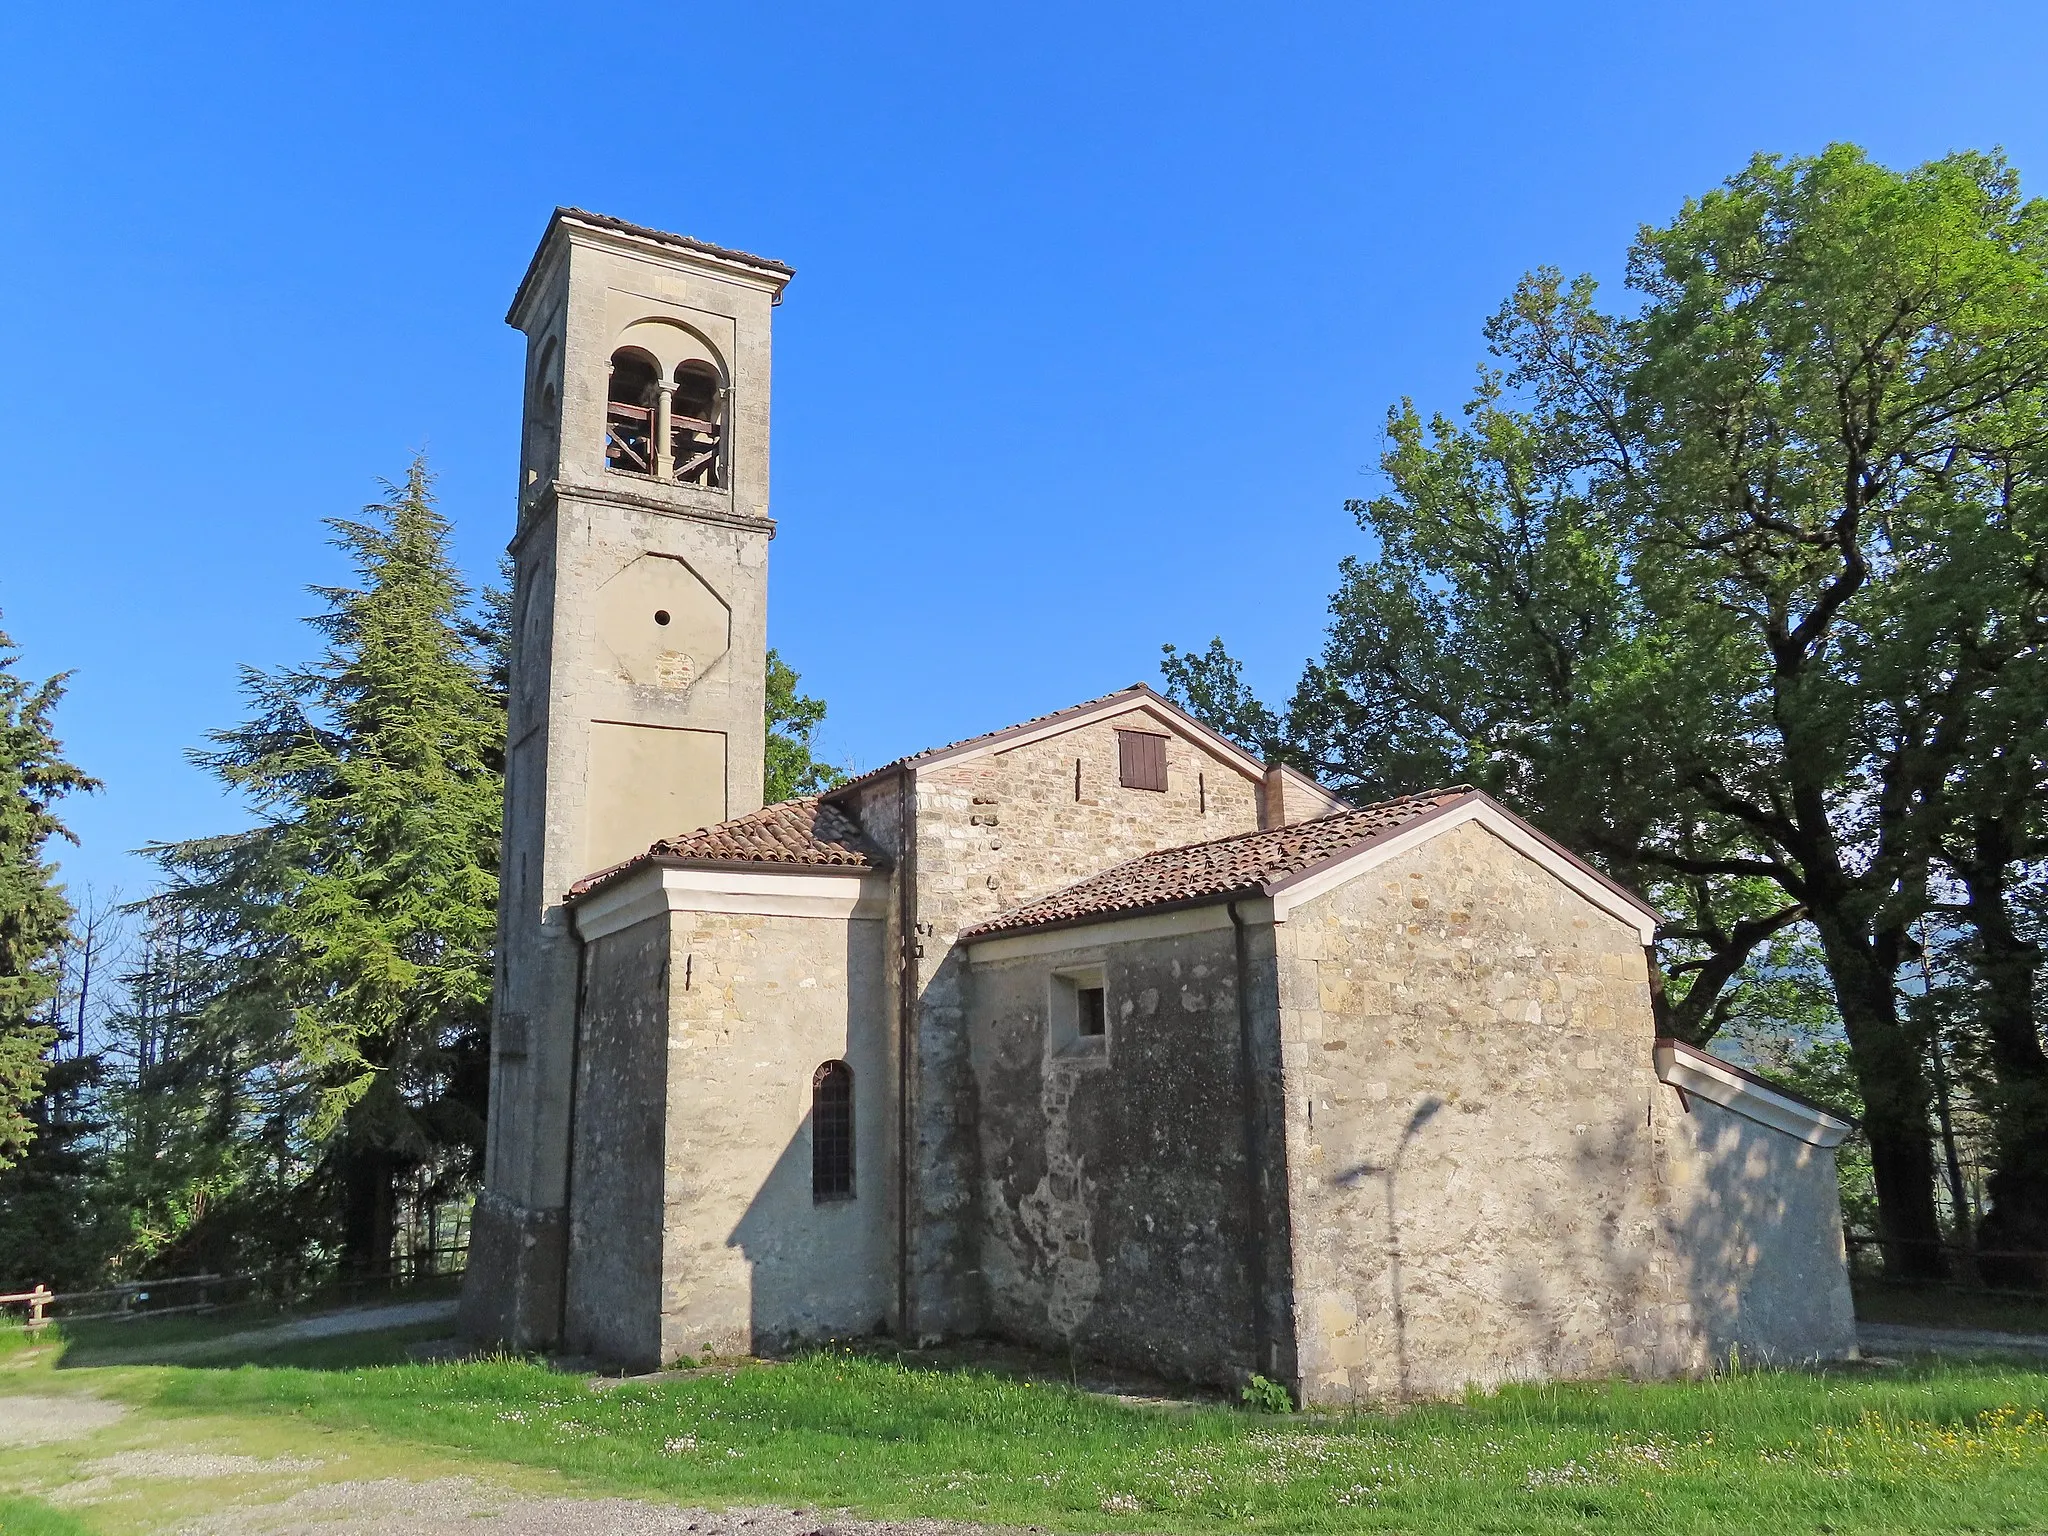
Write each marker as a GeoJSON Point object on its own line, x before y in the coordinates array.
{"type": "Point", "coordinates": [1295, 826]}
{"type": "Point", "coordinates": [793, 833]}
{"type": "Point", "coordinates": [1142, 690]}
{"type": "Point", "coordinates": [1222, 868]}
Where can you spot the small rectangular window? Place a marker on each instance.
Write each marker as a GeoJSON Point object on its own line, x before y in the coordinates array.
{"type": "Point", "coordinates": [1141, 760]}
{"type": "Point", "coordinates": [1091, 1018]}
{"type": "Point", "coordinates": [1078, 1018]}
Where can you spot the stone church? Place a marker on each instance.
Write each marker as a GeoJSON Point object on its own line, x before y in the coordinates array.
{"type": "Point", "coordinates": [1094, 1033]}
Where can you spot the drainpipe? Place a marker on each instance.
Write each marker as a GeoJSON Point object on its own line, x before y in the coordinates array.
{"type": "Point", "coordinates": [1254, 1162]}
{"type": "Point", "coordinates": [906, 1028]}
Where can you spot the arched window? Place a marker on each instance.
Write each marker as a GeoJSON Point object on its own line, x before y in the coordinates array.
{"type": "Point", "coordinates": [696, 420]}
{"type": "Point", "coordinates": [629, 413]}
{"type": "Point", "coordinates": [832, 1132]}
{"type": "Point", "coordinates": [543, 417]}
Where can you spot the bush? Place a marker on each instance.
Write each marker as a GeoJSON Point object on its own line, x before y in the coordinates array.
{"type": "Point", "coordinates": [1262, 1395]}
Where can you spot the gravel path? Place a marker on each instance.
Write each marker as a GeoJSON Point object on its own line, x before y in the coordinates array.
{"type": "Point", "coordinates": [1899, 1339]}
{"type": "Point", "coordinates": [395, 1507]}
{"type": "Point", "coordinates": [41, 1420]}
{"type": "Point", "coordinates": [328, 1325]}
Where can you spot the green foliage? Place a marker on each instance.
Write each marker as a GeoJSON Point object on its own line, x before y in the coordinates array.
{"type": "Point", "coordinates": [1210, 686]}
{"type": "Point", "coordinates": [206, 1102]}
{"type": "Point", "coordinates": [34, 916]}
{"type": "Point", "coordinates": [792, 718]}
{"type": "Point", "coordinates": [59, 1220]}
{"type": "Point", "coordinates": [348, 937]}
{"type": "Point", "coordinates": [1740, 594]}
{"type": "Point", "coordinates": [1264, 1395]}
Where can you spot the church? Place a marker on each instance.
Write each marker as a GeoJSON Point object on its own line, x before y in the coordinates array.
{"type": "Point", "coordinates": [1094, 1033]}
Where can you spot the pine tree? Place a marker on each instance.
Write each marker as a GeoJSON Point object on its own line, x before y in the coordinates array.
{"type": "Point", "coordinates": [364, 903]}
{"type": "Point", "coordinates": [34, 916]}
{"type": "Point", "coordinates": [59, 1216]}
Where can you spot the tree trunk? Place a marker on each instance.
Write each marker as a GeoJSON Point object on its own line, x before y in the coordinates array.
{"type": "Point", "coordinates": [2007, 965]}
{"type": "Point", "coordinates": [1896, 1101]}
{"type": "Point", "coordinates": [368, 1210]}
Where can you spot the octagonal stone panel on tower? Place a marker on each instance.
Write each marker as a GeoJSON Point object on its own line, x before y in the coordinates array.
{"type": "Point", "coordinates": [659, 625]}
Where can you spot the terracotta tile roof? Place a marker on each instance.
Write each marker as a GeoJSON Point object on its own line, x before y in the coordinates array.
{"type": "Point", "coordinates": [1250, 863]}
{"type": "Point", "coordinates": [1135, 695]}
{"type": "Point", "coordinates": [681, 242]}
{"type": "Point", "coordinates": [777, 272]}
{"type": "Point", "coordinates": [805, 834]}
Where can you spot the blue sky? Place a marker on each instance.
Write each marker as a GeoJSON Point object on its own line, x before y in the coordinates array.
{"type": "Point", "coordinates": [1097, 315]}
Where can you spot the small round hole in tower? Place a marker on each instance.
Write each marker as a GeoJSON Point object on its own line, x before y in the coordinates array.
{"type": "Point", "coordinates": [661, 615]}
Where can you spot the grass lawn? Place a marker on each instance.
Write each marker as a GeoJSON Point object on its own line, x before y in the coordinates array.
{"type": "Point", "coordinates": [1924, 1447]}
{"type": "Point", "coordinates": [32, 1517]}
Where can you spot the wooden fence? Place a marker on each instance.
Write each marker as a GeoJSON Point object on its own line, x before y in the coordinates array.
{"type": "Point", "coordinates": [1994, 1271]}
{"type": "Point", "coordinates": [186, 1295]}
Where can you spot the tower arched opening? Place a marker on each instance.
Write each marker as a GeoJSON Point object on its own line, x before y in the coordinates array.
{"type": "Point", "coordinates": [697, 422]}
{"type": "Point", "coordinates": [630, 401]}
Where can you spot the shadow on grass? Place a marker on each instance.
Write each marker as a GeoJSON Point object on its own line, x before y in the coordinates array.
{"type": "Point", "coordinates": [1942, 1306]}
{"type": "Point", "coordinates": [389, 1331]}
{"type": "Point", "coordinates": [1006, 1437]}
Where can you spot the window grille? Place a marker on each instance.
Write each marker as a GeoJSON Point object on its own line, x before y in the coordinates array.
{"type": "Point", "coordinates": [832, 1132]}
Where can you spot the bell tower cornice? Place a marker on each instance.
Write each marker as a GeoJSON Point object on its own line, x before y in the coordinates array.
{"type": "Point", "coordinates": [573, 226]}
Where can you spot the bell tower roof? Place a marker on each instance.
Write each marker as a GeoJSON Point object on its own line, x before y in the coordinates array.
{"type": "Point", "coordinates": [772, 274]}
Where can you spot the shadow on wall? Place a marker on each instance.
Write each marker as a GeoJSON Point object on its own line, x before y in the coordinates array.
{"type": "Point", "coordinates": [946, 1219]}
{"type": "Point", "coordinates": [815, 1233]}
{"type": "Point", "coordinates": [805, 1254]}
{"type": "Point", "coordinates": [1488, 1251]}
{"type": "Point", "coordinates": [1389, 1177]}
{"type": "Point", "coordinates": [1763, 1236]}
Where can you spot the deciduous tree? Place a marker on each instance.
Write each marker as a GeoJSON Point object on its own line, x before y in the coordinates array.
{"type": "Point", "coordinates": [792, 771]}
{"type": "Point", "coordinates": [1742, 593]}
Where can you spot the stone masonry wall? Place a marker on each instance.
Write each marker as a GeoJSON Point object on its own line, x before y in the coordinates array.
{"type": "Point", "coordinates": [1758, 1215]}
{"type": "Point", "coordinates": [1116, 1205]}
{"type": "Point", "coordinates": [990, 833]}
{"type": "Point", "coordinates": [1476, 1191]}
{"type": "Point", "coordinates": [757, 1004]}
{"type": "Point", "coordinates": [614, 1284]}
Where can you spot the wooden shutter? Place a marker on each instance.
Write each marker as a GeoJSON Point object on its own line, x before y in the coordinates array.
{"type": "Point", "coordinates": [1141, 760]}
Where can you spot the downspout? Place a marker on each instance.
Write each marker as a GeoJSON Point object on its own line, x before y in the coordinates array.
{"type": "Point", "coordinates": [906, 1021]}
{"type": "Point", "coordinates": [1254, 1162]}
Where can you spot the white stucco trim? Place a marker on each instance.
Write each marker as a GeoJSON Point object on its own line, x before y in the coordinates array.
{"type": "Point", "coordinates": [1311, 883]}
{"type": "Point", "coordinates": [657, 889]}
{"type": "Point", "coordinates": [1695, 1071]}
{"type": "Point", "coordinates": [1117, 930]}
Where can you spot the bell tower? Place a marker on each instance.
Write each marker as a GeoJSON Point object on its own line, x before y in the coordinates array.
{"type": "Point", "coordinates": [638, 652]}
